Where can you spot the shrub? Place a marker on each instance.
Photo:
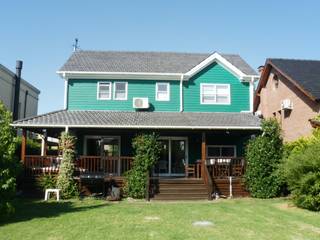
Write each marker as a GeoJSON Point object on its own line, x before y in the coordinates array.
{"type": "Point", "coordinates": [8, 163]}
{"type": "Point", "coordinates": [263, 155]}
{"type": "Point", "coordinates": [302, 172]}
{"type": "Point", "coordinates": [146, 153]}
{"type": "Point", "coordinates": [47, 181]}
{"type": "Point", "coordinates": [65, 180]}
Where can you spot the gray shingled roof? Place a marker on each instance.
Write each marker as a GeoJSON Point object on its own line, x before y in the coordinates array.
{"type": "Point", "coordinates": [305, 73]}
{"type": "Point", "coordinates": [114, 119]}
{"type": "Point", "coordinates": [155, 62]}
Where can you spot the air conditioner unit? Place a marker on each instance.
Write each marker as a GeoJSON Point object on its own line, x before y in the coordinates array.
{"type": "Point", "coordinates": [287, 104]}
{"type": "Point", "coordinates": [141, 103]}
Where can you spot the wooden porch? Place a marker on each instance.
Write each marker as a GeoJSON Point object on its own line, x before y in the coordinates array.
{"type": "Point", "coordinates": [219, 175]}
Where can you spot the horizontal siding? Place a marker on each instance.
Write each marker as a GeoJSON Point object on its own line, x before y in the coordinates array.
{"type": "Point", "coordinates": [82, 95]}
{"type": "Point", "coordinates": [216, 74]}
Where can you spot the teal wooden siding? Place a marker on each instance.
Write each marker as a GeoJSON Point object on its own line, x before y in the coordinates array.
{"type": "Point", "coordinates": [82, 95]}
{"type": "Point", "coordinates": [216, 74]}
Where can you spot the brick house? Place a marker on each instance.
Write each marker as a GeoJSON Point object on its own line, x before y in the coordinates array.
{"type": "Point", "coordinates": [289, 90]}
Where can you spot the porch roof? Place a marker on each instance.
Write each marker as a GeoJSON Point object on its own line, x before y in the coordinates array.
{"type": "Point", "coordinates": [140, 120]}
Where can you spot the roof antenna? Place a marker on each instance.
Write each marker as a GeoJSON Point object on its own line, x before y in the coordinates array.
{"type": "Point", "coordinates": [76, 47]}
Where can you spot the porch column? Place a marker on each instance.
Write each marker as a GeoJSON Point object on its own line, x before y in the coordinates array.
{"type": "Point", "coordinates": [44, 146]}
{"type": "Point", "coordinates": [203, 153]}
{"type": "Point", "coordinates": [44, 143]}
{"type": "Point", "coordinates": [23, 145]}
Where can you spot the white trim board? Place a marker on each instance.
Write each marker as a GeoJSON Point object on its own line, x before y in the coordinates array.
{"type": "Point", "coordinates": [137, 126]}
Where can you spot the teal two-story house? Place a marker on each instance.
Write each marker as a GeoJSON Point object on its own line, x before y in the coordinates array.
{"type": "Point", "coordinates": [199, 104]}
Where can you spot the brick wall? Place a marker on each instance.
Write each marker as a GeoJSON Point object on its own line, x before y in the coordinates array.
{"type": "Point", "coordinates": [294, 123]}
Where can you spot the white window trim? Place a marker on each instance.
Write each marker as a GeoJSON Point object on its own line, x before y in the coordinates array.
{"type": "Point", "coordinates": [214, 84]}
{"type": "Point", "coordinates": [220, 146]}
{"type": "Point", "coordinates": [98, 91]}
{"type": "Point", "coordinates": [114, 91]}
{"type": "Point", "coordinates": [168, 91]}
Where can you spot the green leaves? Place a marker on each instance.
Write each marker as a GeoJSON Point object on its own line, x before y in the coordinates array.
{"type": "Point", "coordinates": [8, 163]}
{"type": "Point", "coordinates": [146, 153]}
{"type": "Point", "coordinates": [65, 180]}
{"type": "Point", "coordinates": [302, 172]}
{"type": "Point", "coordinates": [263, 155]}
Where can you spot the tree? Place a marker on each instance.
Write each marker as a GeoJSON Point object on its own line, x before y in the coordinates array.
{"type": "Point", "coordinates": [8, 163]}
{"type": "Point", "coordinates": [263, 155]}
{"type": "Point", "coordinates": [65, 180]}
{"type": "Point", "coordinates": [301, 168]}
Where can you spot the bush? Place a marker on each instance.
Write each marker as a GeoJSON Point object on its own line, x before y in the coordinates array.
{"type": "Point", "coordinates": [263, 155]}
{"type": "Point", "coordinates": [8, 163]}
{"type": "Point", "coordinates": [65, 180]}
{"type": "Point", "coordinates": [47, 181]}
{"type": "Point", "coordinates": [302, 173]}
{"type": "Point", "coordinates": [146, 153]}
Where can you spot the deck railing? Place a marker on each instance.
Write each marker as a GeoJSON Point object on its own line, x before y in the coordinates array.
{"type": "Point", "coordinates": [35, 165]}
{"type": "Point", "coordinates": [116, 166]}
{"type": "Point", "coordinates": [226, 167]}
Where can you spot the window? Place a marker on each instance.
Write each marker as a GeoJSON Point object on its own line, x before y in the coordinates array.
{"type": "Point", "coordinates": [275, 81]}
{"type": "Point", "coordinates": [120, 91]}
{"type": "Point", "coordinates": [214, 93]}
{"type": "Point", "coordinates": [104, 91]}
{"type": "Point", "coordinates": [221, 151]}
{"type": "Point", "coordinates": [162, 91]}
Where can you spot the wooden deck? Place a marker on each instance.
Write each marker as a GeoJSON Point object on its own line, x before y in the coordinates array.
{"type": "Point", "coordinates": [221, 176]}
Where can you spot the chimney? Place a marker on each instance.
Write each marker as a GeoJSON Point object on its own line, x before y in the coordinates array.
{"type": "Point", "coordinates": [17, 90]}
{"type": "Point", "coordinates": [260, 69]}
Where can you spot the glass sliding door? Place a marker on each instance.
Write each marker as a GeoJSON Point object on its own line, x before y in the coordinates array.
{"type": "Point", "coordinates": [173, 156]}
{"type": "Point", "coordinates": [178, 156]}
{"type": "Point", "coordinates": [162, 166]}
{"type": "Point", "coordinates": [110, 147]}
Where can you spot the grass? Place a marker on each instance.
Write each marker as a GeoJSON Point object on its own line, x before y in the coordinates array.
{"type": "Point", "coordinates": [97, 219]}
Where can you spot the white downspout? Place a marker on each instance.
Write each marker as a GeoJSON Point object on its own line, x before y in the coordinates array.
{"type": "Point", "coordinates": [251, 89]}
{"type": "Point", "coordinates": [65, 104]}
{"type": "Point", "coordinates": [181, 93]}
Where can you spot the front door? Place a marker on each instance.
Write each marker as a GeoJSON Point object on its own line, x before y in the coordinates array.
{"type": "Point", "coordinates": [173, 156]}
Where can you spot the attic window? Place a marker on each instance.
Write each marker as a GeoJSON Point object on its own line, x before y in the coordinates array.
{"type": "Point", "coordinates": [275, 80]}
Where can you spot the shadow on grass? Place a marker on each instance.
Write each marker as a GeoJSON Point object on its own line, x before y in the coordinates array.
{"type": "Point", "coordinates": [27, 209]}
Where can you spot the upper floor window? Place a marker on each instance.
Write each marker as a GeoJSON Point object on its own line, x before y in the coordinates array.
{"type": "Point", "coordinates": [214, 93]}
{"type": "Point", "coordinates": [120, 91]}
{"type": "Point", "coordinates": [104, 91]}
{"type": "Point", "coordinates": [162, 91]}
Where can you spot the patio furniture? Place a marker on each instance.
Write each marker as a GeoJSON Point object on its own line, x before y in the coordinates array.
{"type": "Point", "coordinates": [52, 190]}
{"type": "Point", "coordinates": [190, 170]}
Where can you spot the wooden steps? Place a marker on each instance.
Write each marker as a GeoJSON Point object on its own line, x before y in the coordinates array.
{"type": "Point", "coordinates": [179, 189]}
{"type": "Point", "coordinates": [222, 186]}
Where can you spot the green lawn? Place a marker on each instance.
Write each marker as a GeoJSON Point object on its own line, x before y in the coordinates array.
{"type": "Point", "coordinates": [97, 219]}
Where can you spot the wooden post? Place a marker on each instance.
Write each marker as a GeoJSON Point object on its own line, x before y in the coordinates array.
{"type": "Point", "coordinates": [44, 146]}
{"type": "Point", "coordinates": [203, 153]}
{"type": "Point", "coordinates": [23, 145]}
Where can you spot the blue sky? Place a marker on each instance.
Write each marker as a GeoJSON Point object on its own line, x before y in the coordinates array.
{"type": "Point", "coordinates": [41, 33]}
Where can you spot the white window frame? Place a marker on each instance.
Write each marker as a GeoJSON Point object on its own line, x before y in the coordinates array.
{"type": "Point", "coordinates": [114, 91]}
{"type": "Point", "coordinates": [98, 91]}
{"type": "Point", "coordinates": [215, 85]}
{"type": "Point", "coordinates": [168, 91]}
{"type": "Point", "coordinates": [221, 146]}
